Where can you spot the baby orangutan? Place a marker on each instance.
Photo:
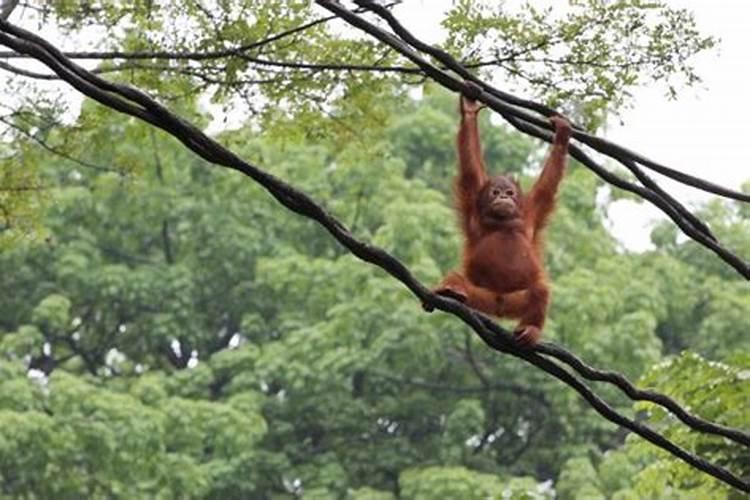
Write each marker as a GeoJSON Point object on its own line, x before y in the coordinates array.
{"type": "Point", "coordinates": [502, 272]}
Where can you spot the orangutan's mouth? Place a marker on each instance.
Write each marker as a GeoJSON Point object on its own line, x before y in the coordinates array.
{"type": "Point", "coordinates": [503, 208]}
{"type": "Point", "coordinates": [503, 204]}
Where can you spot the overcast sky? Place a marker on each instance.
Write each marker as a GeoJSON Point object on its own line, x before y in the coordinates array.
{"type": "Point", "coordinates": [705, 132]}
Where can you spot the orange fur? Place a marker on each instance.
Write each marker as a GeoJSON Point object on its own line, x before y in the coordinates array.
{"type": "Point", "coordinates": [502, 272]}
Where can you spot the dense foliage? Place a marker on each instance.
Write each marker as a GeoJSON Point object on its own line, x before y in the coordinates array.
{"type": "Point", "coordinates": [199, 340]}
{"type": "Point", "coordinates": [168, 331]}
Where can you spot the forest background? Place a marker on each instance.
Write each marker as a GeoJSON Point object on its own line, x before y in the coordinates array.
{"type": "Point", "coordinates": [168, 330]}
